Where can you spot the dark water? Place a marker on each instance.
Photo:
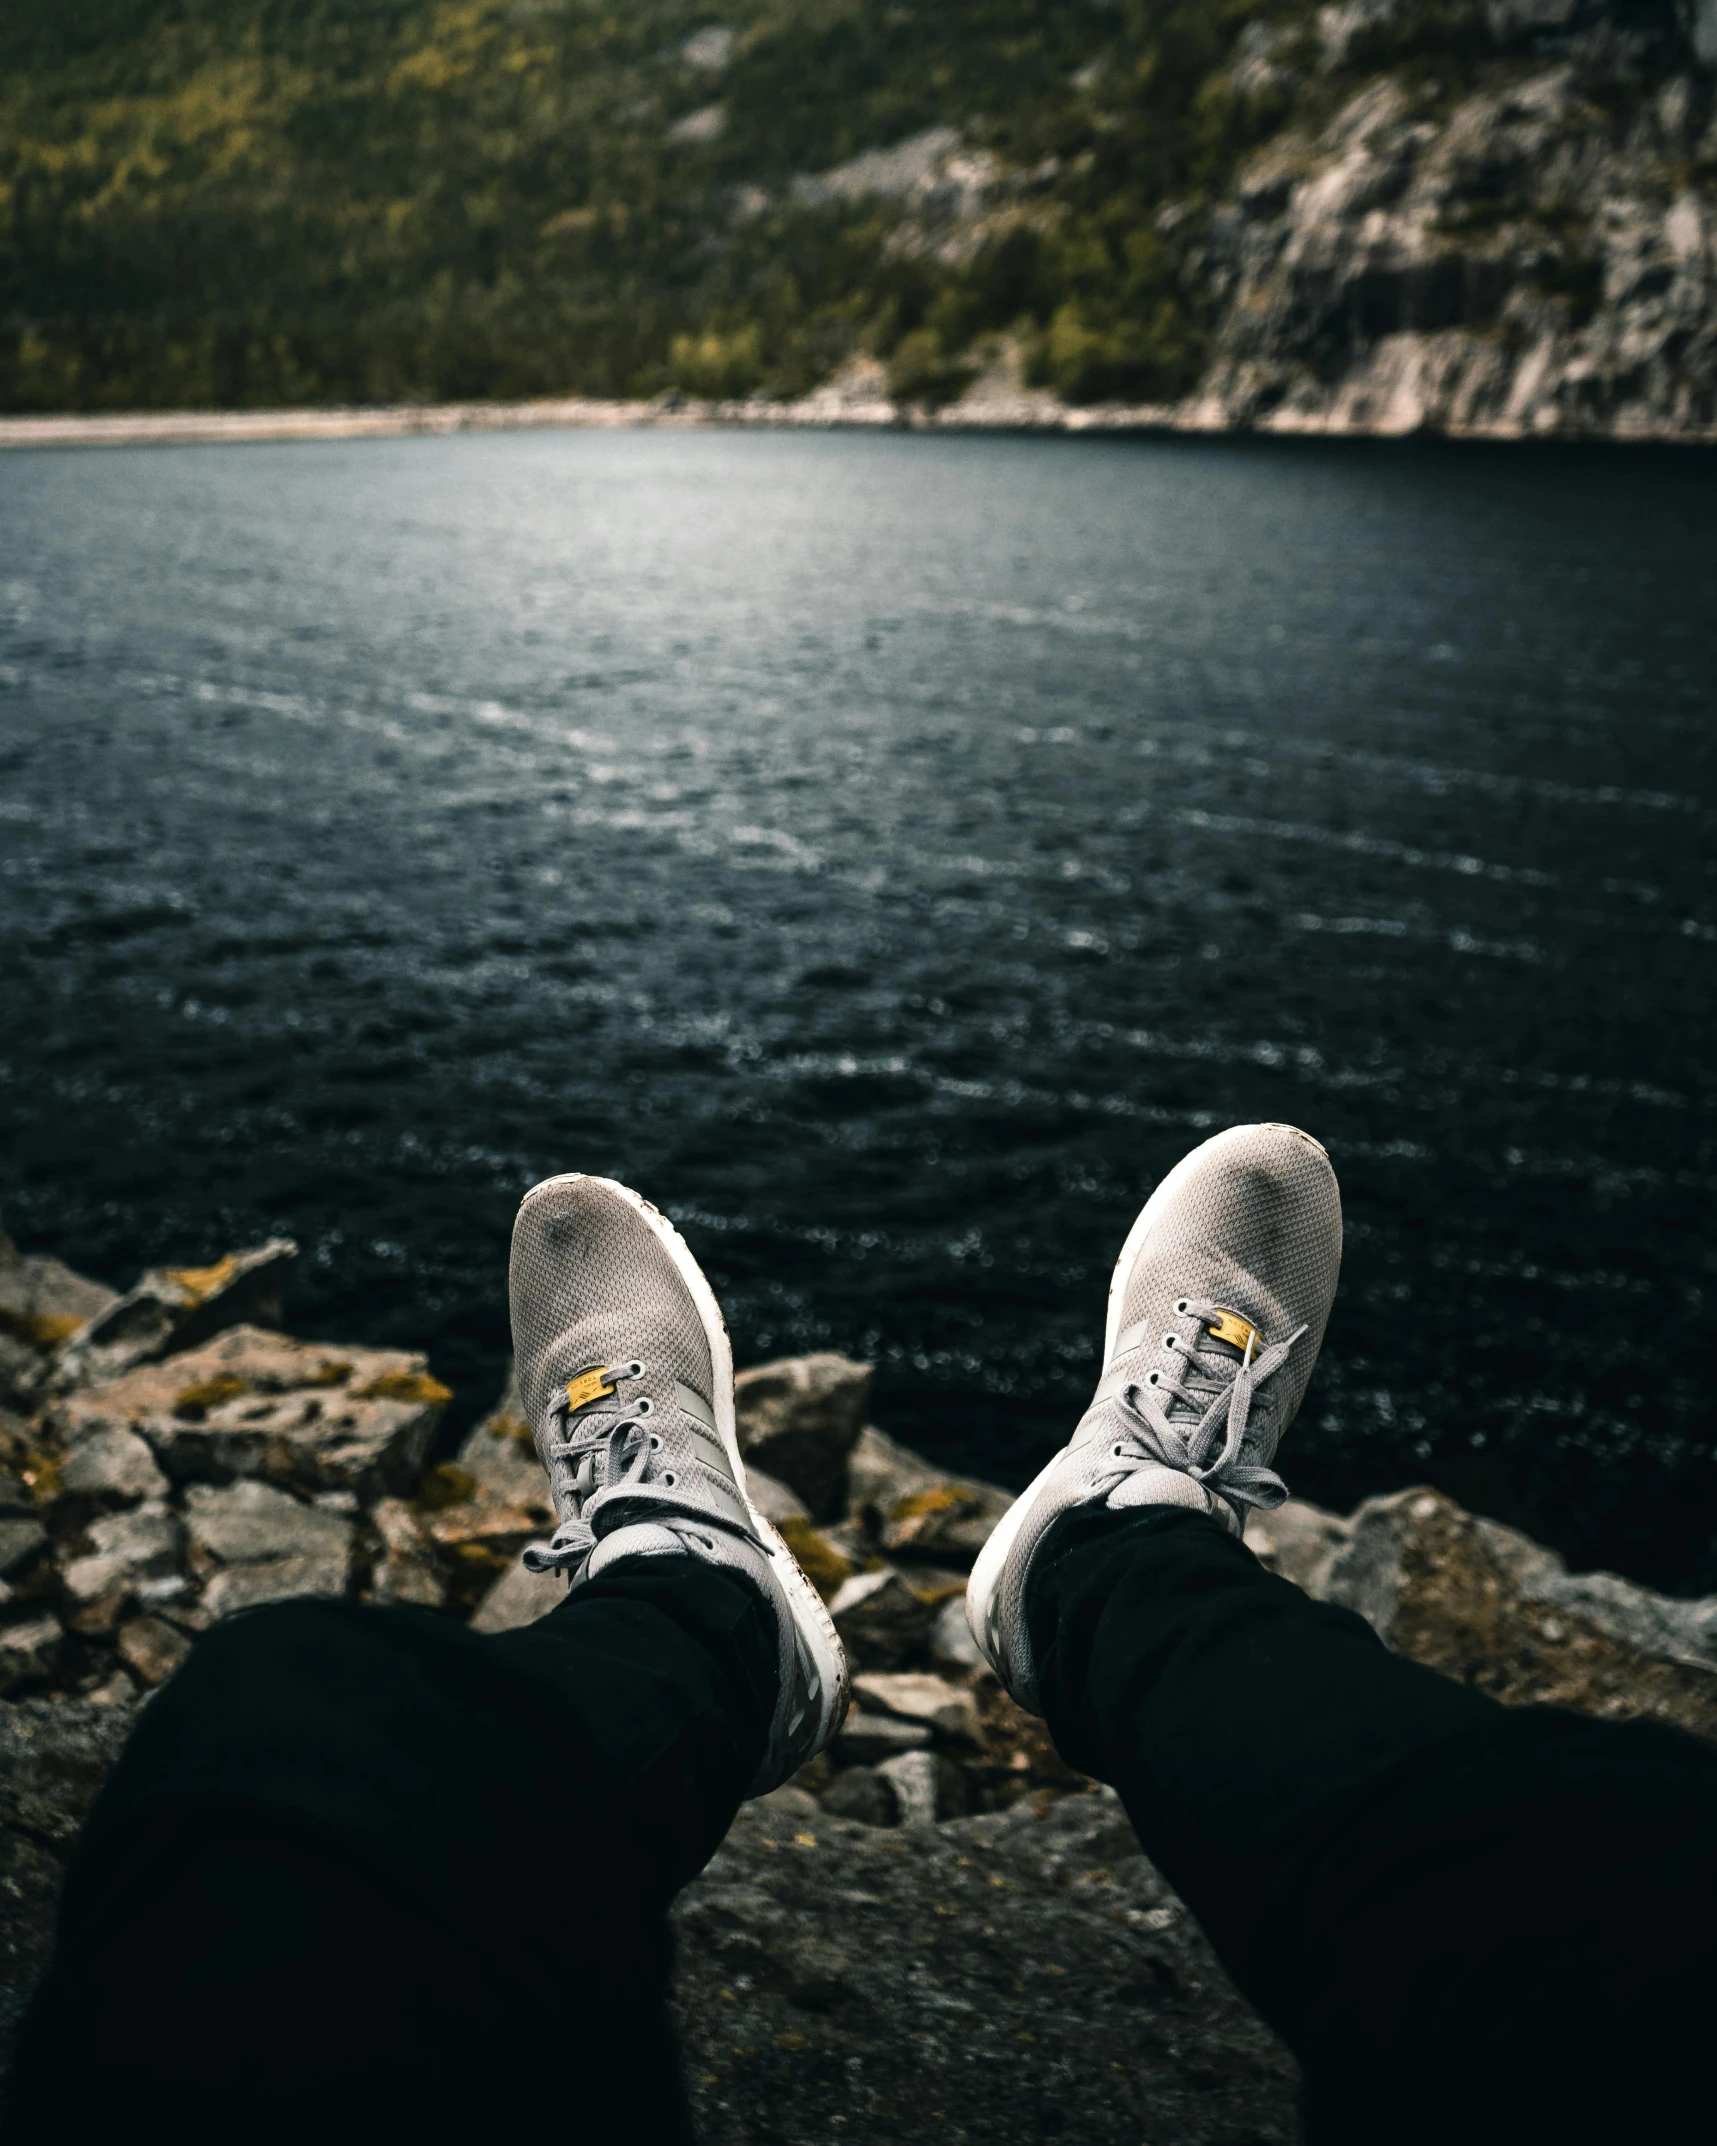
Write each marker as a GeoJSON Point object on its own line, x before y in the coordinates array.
{"type": "Point", "coordinates": [890, 855]}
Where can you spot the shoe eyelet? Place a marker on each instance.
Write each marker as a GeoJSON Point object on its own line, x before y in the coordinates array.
{"type": "Point", "coordinates": [1153, 1378]}
{"type": "Point", "coordinates": [1181, 1305]}
{"type": "Point", "coordinates": [633, 1370]}
{"type": "Point", "coordinates": [1170, 1342]}
{"type": "Point", "coordinates": [669, 1480]}
{"type": "Point", "coordinates": [655, 1442]}
{"type": "Point", "coordinates": [646, 1407]}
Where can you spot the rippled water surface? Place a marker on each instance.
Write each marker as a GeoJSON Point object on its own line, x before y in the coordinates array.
{"type": "Point", "coordinates": [890, 854]}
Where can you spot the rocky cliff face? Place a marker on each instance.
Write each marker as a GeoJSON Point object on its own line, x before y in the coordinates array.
{"type": "Point", "coordinates": [1529, 250]}
{"type": "Point", "coordinates": [937, 1928]}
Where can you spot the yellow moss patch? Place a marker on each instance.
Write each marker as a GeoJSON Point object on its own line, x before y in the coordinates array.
{"type": "Point", "coordinates": [513, 1427]}
{"type": "Point", "coordinates": [444, 1485]}
{"type": "Point", "coordinates": [822, 1564]}
{"type": "Point", "coordinates": [332, 1371]}
{"type": "Point", "coordinates": [199, 1283]}
{"type": "Point", "coordinates": [405, 1386]}
{"type": "Point", "coordinates": [927, 1504]}
{"type": "Point", "coordinates": [196, 1401]}
{"type": "Point", "coordinates": [49, 1328]}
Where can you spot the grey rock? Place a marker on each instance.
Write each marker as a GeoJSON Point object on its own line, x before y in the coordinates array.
{"type": "Point", "coordinates": [308, 1416]}
{"type": "Point", "coordinates": [799, 1419]}
{"type": "Point", "coordinates": [22, 1543]}
{"type": "Point", "coordinates": [151, 1648]}
{"type": "Point", "coordinates": [1004, 1980]}
{"type": "Point", "coordinates": [246, 1521]}
{"type": "Point", "coordinates": [914, 1510]}
{"type": "Point", "coordinates": [915, 1780]}
{"type": "Point", "coordinates": [29, 1651]}
{"type": "Point", "coordinates": [54, 1757]}
{"type": "Point", "coordinates": [951, 1643]}
{"type": "Point", "coordinates": [407, 1570]}
{"type": "Point", "coordinates": [773, 1499]}
{"type": "Point", "coordinates": [949, 1710]}
{"type": "Point", "coordinates": [865, 1738]}
{"type": "Point", "coordinates": [275, 1579]}
{"type": "Point", "coordinates": [133, 1555]}
{"type": "Point", "coordinates": [43, 1304]}
{"type": "Point", "coordinates": [112, 1467]}
{"type": "Point", "coordinates": [863, 1794]}
{"type": "Point", "coordinates": [501, 1455]}
{"type": "Point", "coordinates": [175, 1308]}
{"type": "Point", "coordinates": [1300, 1542]}
{"type": "Point", "coordinates": [518, 1597]}
{"type": "Point", "coordinates": [29, 1896]}
{"type": "Point", "coordinates": [884, 1623]}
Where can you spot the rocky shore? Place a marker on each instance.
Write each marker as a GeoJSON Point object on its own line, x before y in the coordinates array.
{"type": "Point", "coordinates": [937, 1929]}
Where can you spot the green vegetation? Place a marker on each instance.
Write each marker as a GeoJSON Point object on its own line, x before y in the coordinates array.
{"type": "Point", "coordinates": [250, 202]}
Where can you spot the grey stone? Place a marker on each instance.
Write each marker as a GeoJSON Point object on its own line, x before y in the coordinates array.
{"type": "Point", "coordinates": [54, 1757]}
{"type": "Point", "coordinates": [275, 1579]}
{"type": "Point", "coordinates": [22, 1542]}
{"type": "Point", "coordinates": [864, 1738]}
{"type": "Point", "coordinates": [29, 1651]}
{"type": "Point", "coordinates": [773, 1499]}
{"type": "Point", "coordinates": [1037, 1969]}
{"type": "Point", "coordinates": [884, 1623]}
{"type": "Point", "coordinates": [501, 1455]}
{"type": "Point", "coordinates": [915, 1780]}
{"type": "Point", "coordinates": [246, 1521]}
{"type": "Point", "coordinates": [407, 1570]}
{"type": "Point", "coordinates": [862, 1793]}
{"type": "Point", "coordinates": [175, 1308]}
{"type": "Point", "coordinates": [308, 1416]}
{"type": "Point", "coordinates": [151, 1648]}
{"type": "Point", "coordinates": [43, 1304]}
{"type": "Point", "coordinates": [914, 1510]}
{"type": "Point", "coordinates": [518, 1597]}
{"type": "Point", "coordinates": [799, 1418]}
{"type": "Point", "coordinates": [1298, 1541]}
{"type": "Point", "coordinates": [947, 1709]}
{"type": "Point", "coordinates": [112, 1467]}
{"type": "Point", "coordinates": [133, 1555]}
{"type": "Point", "coordinates": [951, 1643]}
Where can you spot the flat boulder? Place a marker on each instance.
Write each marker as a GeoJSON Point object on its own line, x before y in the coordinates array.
{"type": "Point", "coordinates": [799, 1419]}
{"type": "Point", "coordinates": [310, 1416]}
{"type": "Point", "coordinates": [173, 1309]}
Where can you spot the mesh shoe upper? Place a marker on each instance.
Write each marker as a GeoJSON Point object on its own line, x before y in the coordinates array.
{"type": "Point", "coordinates": [1216, 1314]}
{"type": "Point", "coordinates": [626, 1377]}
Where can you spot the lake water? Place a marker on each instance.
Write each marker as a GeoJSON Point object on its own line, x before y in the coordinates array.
{"type": "Point", "coordinates": [890, 854]}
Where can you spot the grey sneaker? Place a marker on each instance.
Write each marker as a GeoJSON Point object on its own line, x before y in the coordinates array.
{"type": "Point", "coordinates": [626, 1376]}
{"type": "Point", "coordinates": [1216, 1314]}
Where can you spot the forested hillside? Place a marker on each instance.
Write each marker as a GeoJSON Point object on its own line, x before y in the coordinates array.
{"type": "Point", "coordinates": [250, 202]}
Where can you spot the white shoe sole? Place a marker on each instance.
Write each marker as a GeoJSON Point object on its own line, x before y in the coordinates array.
{"type": "Point", "coordinates": [815, 1626]}
{"type": "Point", "coordinates": [992, 1558]}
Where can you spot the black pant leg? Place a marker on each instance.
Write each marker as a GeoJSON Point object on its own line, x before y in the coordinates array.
{"type": "Point", "coordinates": [362, 1867]}
{"type": "Point", "coordinates": [1466, 1920]}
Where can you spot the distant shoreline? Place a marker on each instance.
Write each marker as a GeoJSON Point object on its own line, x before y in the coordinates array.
{"type": "Point", "coordinates": [825, 411]}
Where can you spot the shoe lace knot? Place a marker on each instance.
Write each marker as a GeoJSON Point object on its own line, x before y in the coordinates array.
{"type": "Point", "coordinates": [1195, 1411]}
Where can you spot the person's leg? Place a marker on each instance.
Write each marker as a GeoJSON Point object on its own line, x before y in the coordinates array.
{"type": "Point", "coordinates": [1464, 1919]}
{"type": "Point", "coordinates": [1468, 1922]}
{"type": "Point", "coordinates": [367, 1863]}
{"type": "Point", "coordinates": [362, 1866]}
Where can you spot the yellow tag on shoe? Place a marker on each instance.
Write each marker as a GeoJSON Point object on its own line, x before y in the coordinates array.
{"type": "Point", "coordinates": [1237, 1332]}
{"type": "Point", "coordinates": [587, 1387]}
